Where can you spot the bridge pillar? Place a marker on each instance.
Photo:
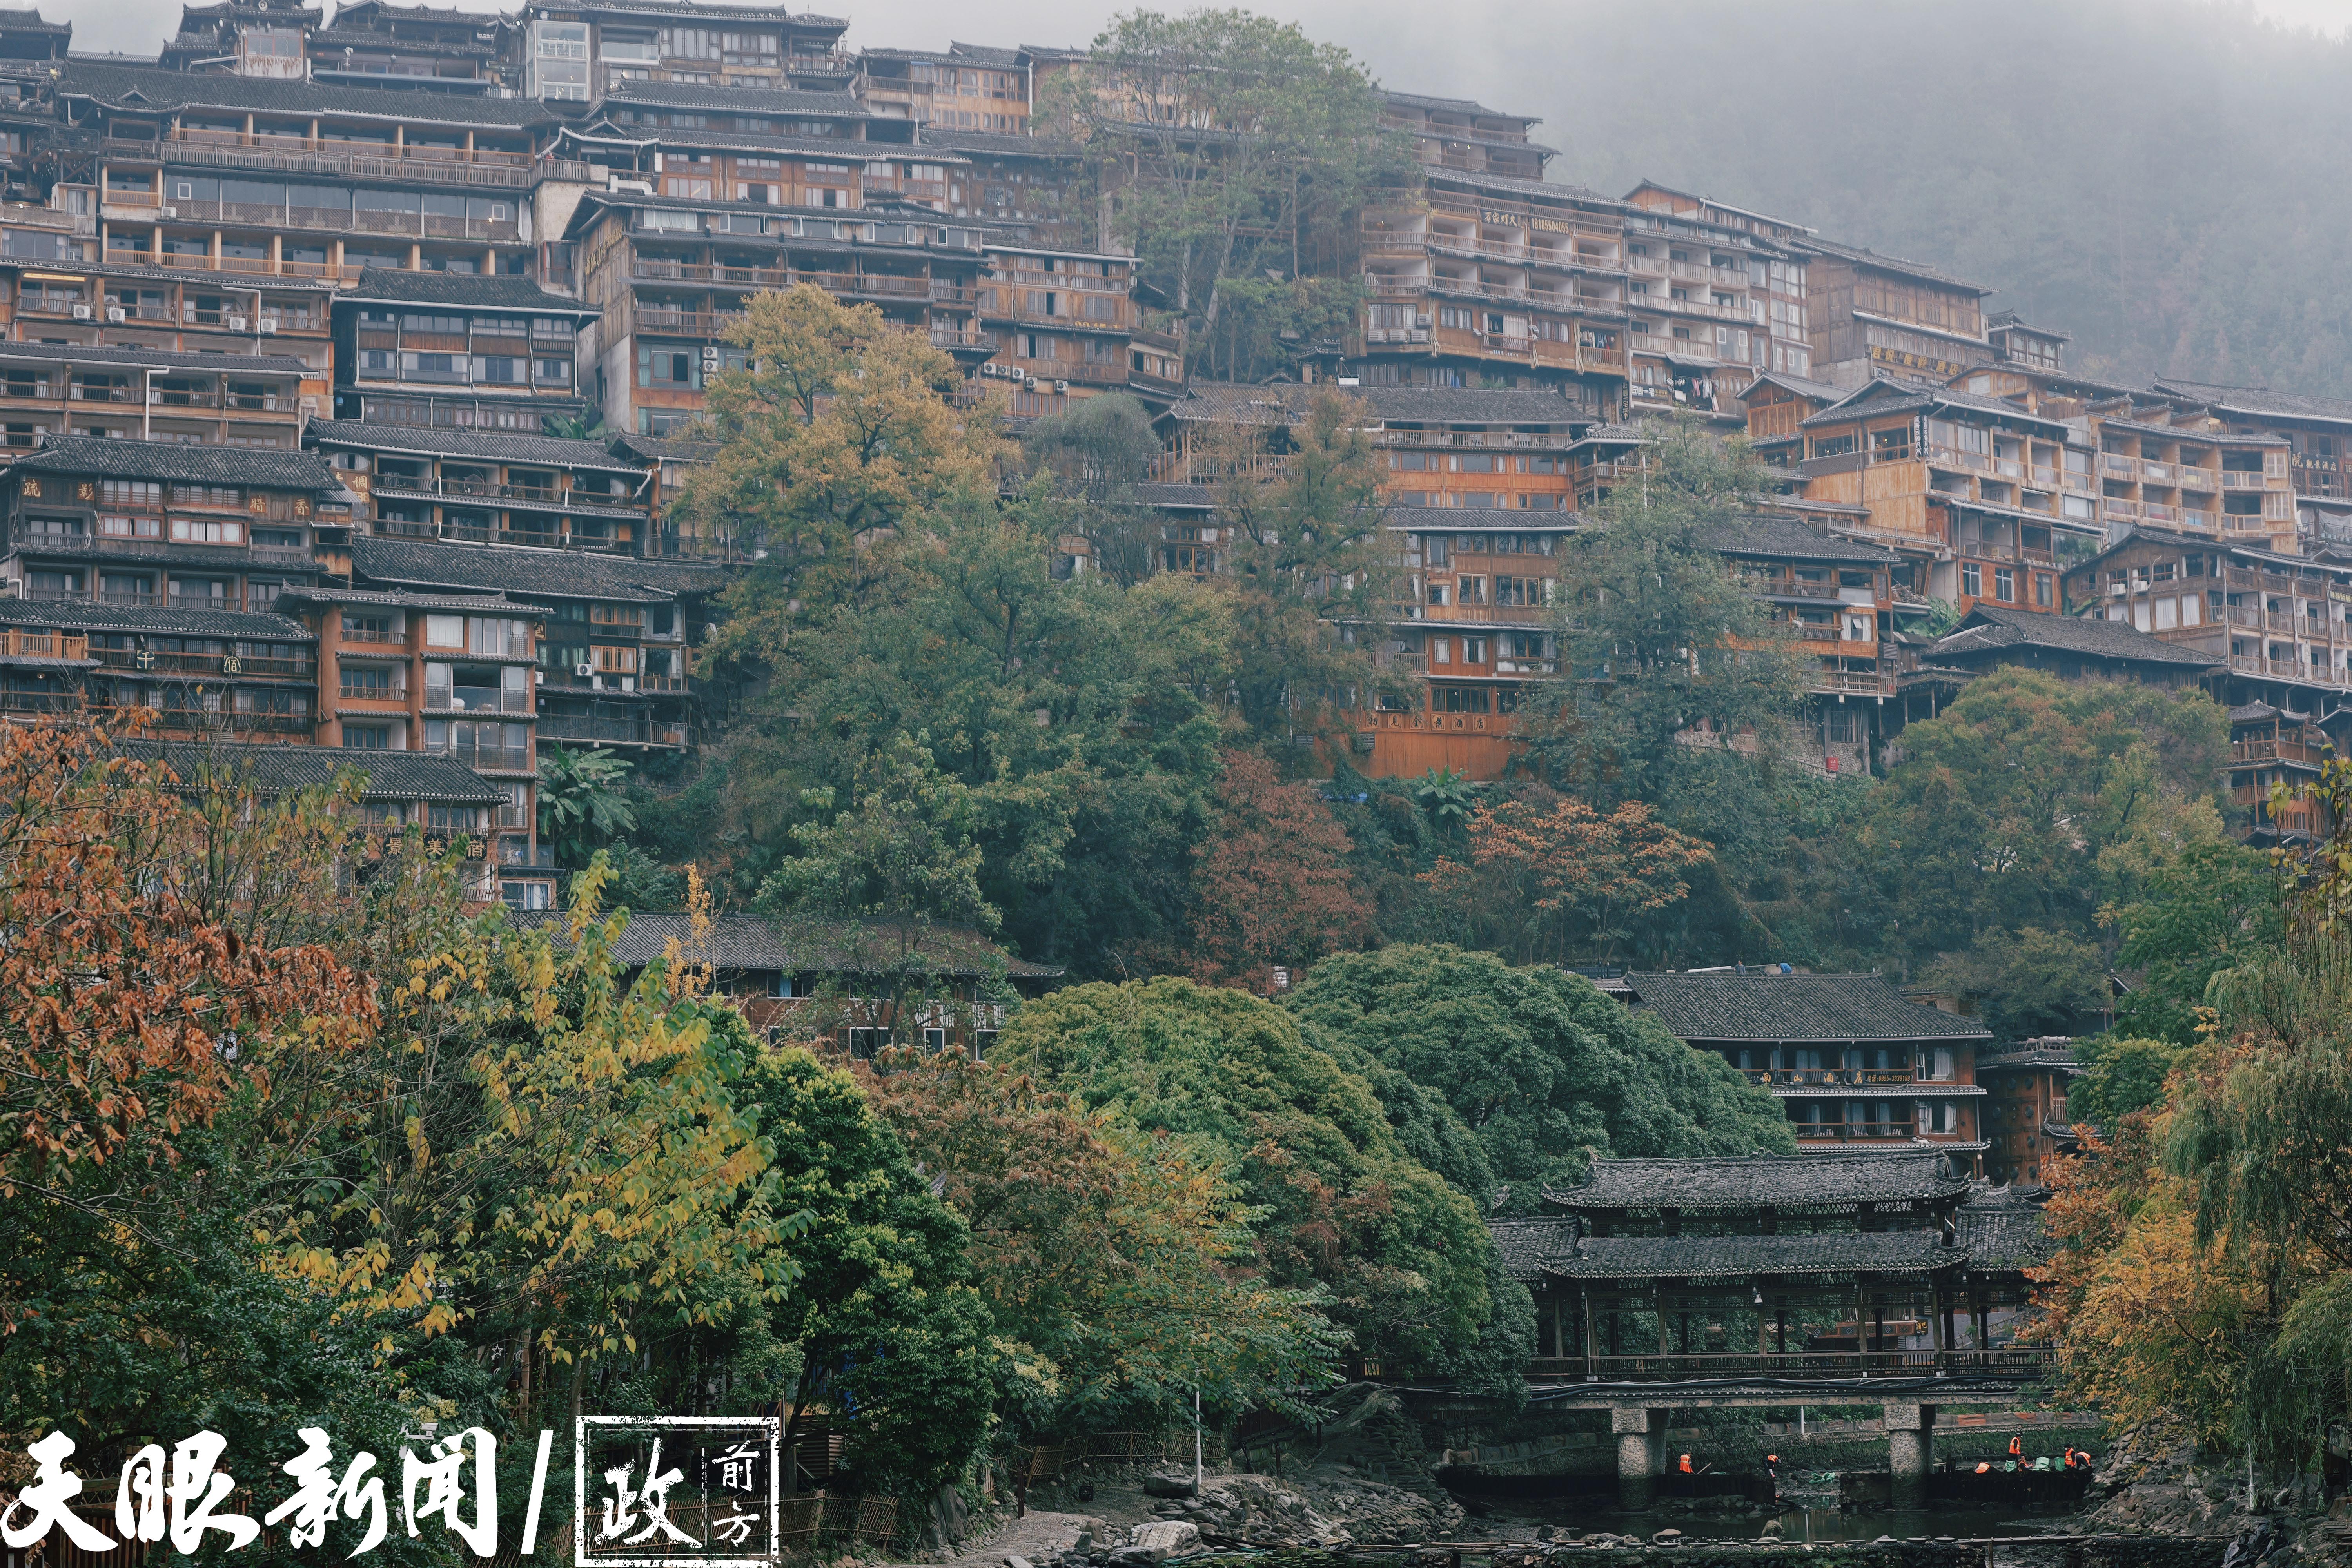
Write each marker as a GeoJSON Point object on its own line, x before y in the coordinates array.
{"type": "Point", "coordinates": [1910, 1453]}
{"type": "Point", "coordinates": [1641, 1435]}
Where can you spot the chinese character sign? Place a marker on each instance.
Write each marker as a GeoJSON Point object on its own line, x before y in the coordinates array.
{"type": "Point", "coordinates": [676, 1490]}
{"type": "Point", "coordinates": [684, 1491]}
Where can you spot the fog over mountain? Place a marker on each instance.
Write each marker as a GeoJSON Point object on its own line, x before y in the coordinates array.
{"type": "Point", "coordinates": [2164, 180]}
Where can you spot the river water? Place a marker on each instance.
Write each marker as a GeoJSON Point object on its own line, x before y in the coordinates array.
{"type": "Point", "coordinates": [1519, 1517]}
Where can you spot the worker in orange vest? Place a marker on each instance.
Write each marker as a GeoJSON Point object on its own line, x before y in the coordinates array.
{"type": "Point", "coordinates": [1773, 1473]}
{"type": "Point", "coordinates": [1685, 1466]}
{"type": "Point", "coordinates": [2070, 1456]}
{"type": "Point", "coordinates": [2016, 1447]}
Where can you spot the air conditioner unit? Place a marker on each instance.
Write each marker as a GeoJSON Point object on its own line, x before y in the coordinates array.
{"type": "Point", "coordinates": [82, 312]}
{"type": "Point", "coordinates": [268, 324]}
{"type": "Point", "coordinates": [117, 313]}
{"type": "Point", "coordinates": [2119, 590]}
{"type": "Point", "coordinates": [170, 212]}
{"type": "Point", "coordinates": [1061, 387]}
{"type": "Point", "coordinates": [236, 323]}
{"type": "Point", "coordinates": [1421, 318]}
{"type": "Point", "coordinates": [538, 678]}
{"type": "Point", "coordinates": [583, 670]}
{"type": "Point", "coordinates": [1420, 334]}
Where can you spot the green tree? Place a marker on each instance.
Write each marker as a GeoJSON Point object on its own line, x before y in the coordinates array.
{"type": "Point", "coordinates": [1082, 720]}
{"type": "Point", "coordinates": [582, 806]}
{"type": "Point", "coordinates": [1098, 450]}
{"type": "Point", "coordinates": [1120, 1265]}
{"type": "Point", "coordinates": [2030, 983]}
{"type": "Point", "coordinates": [1667, 646]}
{"type": "Point", "coordinates": [1311, 569]}
{"type": "Point", "coordinates": [1234, 145]}
{"type": "Point", "coordinates": [2024, 800]}
{"type": "Point", "coordinates": [889, 1333]}
{"type": "Point", "coordinates": [1539, 1066]}
{"type": "Point", "coordinates": [2216, 907]}
{"type": "Point", "coordinates": [2122, 1076]}
{"type": "Point", "coordinates": [840, 428]}
{"type": "Point", "coordinates": [1404, 1256]}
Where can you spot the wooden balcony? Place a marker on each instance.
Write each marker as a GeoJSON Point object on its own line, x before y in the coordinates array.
{"type": "Point", "coordinates": [20, 643]}
{"type": "Point", "coordinates": [2009, 1361]}
{"type": "Point", "coordinates": [374, 160]}
{"type": "Point", "coordinates": [2278, 750]}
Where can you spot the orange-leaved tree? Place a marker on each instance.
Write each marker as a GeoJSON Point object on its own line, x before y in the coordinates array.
{"type": "Point", "coordinates": [1582, 876]}
{"type": "Point", "coordinates": [1271, 881]}
{"type": "Point", "coordinates": [129, 988]}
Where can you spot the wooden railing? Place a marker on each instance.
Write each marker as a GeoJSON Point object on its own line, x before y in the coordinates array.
{"type": "Point", "coordinates": [2025, 1362]}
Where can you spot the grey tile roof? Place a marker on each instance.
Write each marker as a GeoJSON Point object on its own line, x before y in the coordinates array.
{"type": "Point", "coordinates": [2002, 1228]}
{"type": "Point", "coordinates": [1176, 497]}
{"type": "Point", "coordinates": [693, 10]}
{"type": "Point", "coordinates": [1793, 1007]}
{"type": "Point", "coordinates": [1479, 520]}
{"type": "Point", "coordinates": [280, 769]}
{"type": "Point", "coordinates": [2260, 401]}
{"type": "Point", "coordinates": [1987, 630]}
{"type": "Point", "coordinates": [554, 451]}
{"type": "Point", "coordinates": [258, 467]}
{"type": "Point", "coordinates": [998, 143]}
{"type": "Point", "coordinates": [162, 620]}
{"type": "Point", "coordinates": [507, 569]}
{"type": "Point", "coordinates": [669, 446]}
{"type": "Point", "coordinates": [1455, 105]}
{"type": "Point", "coordinates": [1884, 396]}
{"type": "Point", "coordinates": [1522, 1247]}
{"type": "Point", "coordinates": [1757, 1257]}
{"type": "Point", "coordinates": [155, 359]}
{"type": "Point", "coordinates": [1862, 256]}
{"type": "Point", "coordinates": [150, 89]}
{"type": "Point", "coordinates": [1787, 538]}
{"type": "Point", "coordinates": [750, 942]}
{"type": "Point", "coordinates": [803, 146]}
{"type": "Point", "coordinates": [1804, 387]}
{"type": "Point", "coordinates": [365, 598]}
{"type": "Point", "coordinates": [478, 290]}
{"type": "Point", "coordinates": [1836, 1182]}
{"type": "Point", "coordinates": [736, 99]}
{"type": "Point", "coordinates": [1285, 402]}
{"type": "Point", "coordinates": [165, 275]}
{"type": "Point", "coordinates": [1512, 185]}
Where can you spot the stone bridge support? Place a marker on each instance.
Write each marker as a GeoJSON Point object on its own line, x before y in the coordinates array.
{"type": "Point", "coordinates": [1641, 1434]}
{"type": "Point", "coordinates": [1910, 1453]}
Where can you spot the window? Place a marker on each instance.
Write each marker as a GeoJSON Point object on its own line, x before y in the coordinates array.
{"type": "Point", "coordinates": [1832, 446]}
{"type": "Point", "coordinates": [2044, 590]}
{"type": "Point", "coordinates": [1971, 579]}
{"type": "Point", "coordinates": [367, 682]}
{"type": "Point", "coordinates": [444, 631]}
{"type": "Point", "coordinates": [2004, 584]}
{"type": "Point", "coordinates": [131, 492]}
{"type": "Point", "coordinates": [207, 531]}
{"type": "Point", "coordinates": [667, 368]}
{"type": "Point", "coordinates": [367, 737]}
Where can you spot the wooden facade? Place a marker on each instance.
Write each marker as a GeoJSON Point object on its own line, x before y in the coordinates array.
{"type": "Point", "coordinates": [1853, 1062]}
{"type": "Point", "coordinates": [1716, 294]}
{"type": "Point", "coordinates": [1888, 1264]}
{"type": "Point", "coordinates": [2026, 1111]}
{"type": "Point", "coordinates": [1870, 315]}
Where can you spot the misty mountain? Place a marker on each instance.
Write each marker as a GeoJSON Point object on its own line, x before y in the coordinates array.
{"type": "Point", "coordinates": [2167, 182]}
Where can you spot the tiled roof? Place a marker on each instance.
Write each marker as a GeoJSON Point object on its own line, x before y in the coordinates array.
{"type": "Point", "coordinates": [998, 143]}
{"type": "Point", "coordinates": [280, 769]}
{"type": "Point", "coordinates": [132, 87]}
{"type": "Point", "coordinates": [1286, 402]}
{"type": "Point", "coordinates": [1522, 1247]}
{"type": "Point", "coordinates": [1457, 106]}
{"type": "Point", "coordinates": [481, 291]}
{"type": "Point", "coordinates": [1804, 387]}
{"type": "Point", "coordinates": [1479, 519]}
{"type": "Point", "coordinates": [2258, 400]}
{"type": "Point", "coordinates": [694, 10]}
{"type": "Point", "coordinates": [163, 621]}
{"type": "Point", "coordinates": [1757, 1257]}
{"type": "Point", "coordinates": [508, 569]}
{"type": "Point", "coordinates": [366, 598]}
{"type": "Point", "coordinates": [1988, 629]}
{"type": "Point", "coordinates": [1866, 258]}
{"type": "Point", "coordinates": [670, 448]}
{"type": "Point", "coordinates": [155, 359]}
{"type": "Point", "coordinates": [750, 942]}
{"type": "Point", "coordinates": [740, 99]}
{"type": "Point", "coordinates": [1512, 185]}
{"type": "Point", "coordinates": [28, 19]}
{"type": "Point", "coordinates": [1787, 538]}
{"type": "Point", "coordinates": [1830, 1183]}
{"type": "Point", "coordinates": [1884, 396]}
{"type": "Point", "coordinates": [803, 146]}
{"type": "Point", "coordinates": [262, 466]}
{"type": "Point", "coordinates": [555, 451]}
{"type": "Point", "coordinates": [165, 275]}
{"type": "Point", "coordinates": [1175, 497]}
{"type": "Point", "coordinates": [1792, 1008]}
{"type": "Point", "coordinates": [2002, 1228]}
